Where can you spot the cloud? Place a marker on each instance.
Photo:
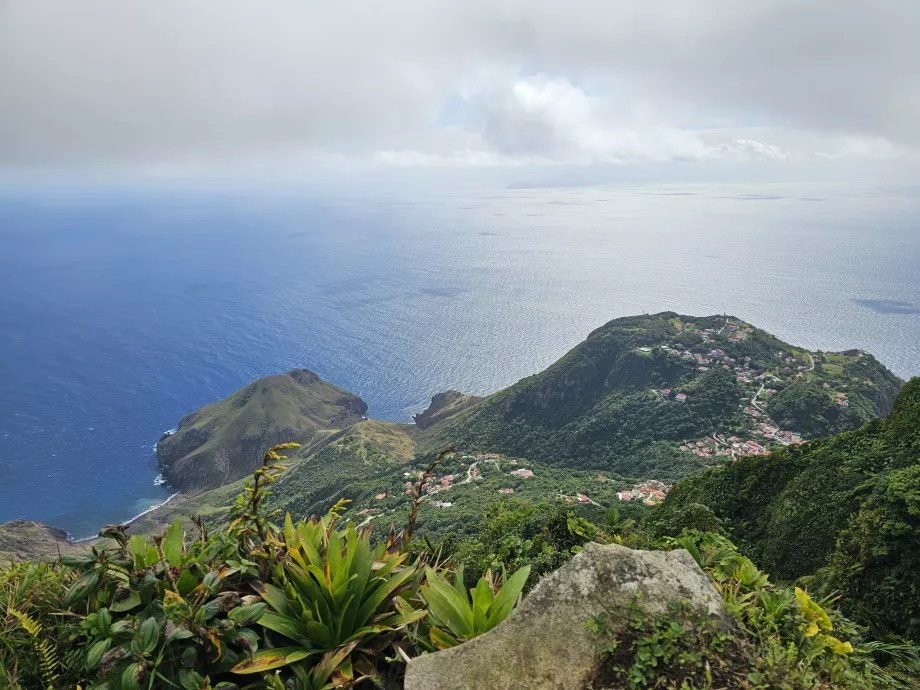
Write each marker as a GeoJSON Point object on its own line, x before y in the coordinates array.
{"type": "Point", "coordinates": [482, 82]}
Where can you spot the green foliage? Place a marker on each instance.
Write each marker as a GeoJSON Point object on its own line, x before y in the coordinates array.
{"type": "Point", "coordinates": [597, 407]}
{"type": "Point", "coordinates": [458, 615]}
{"type": "Point", "coordinates": [154, 611]}
{"type": "Point", "coordinates": [32, 639]}
{"type": "Point", "coordinates": [781, 637]}
{"type": "Point", "coordinates": [815, 412]}
{"type": "Point", "coordinates": [676, 650]}
{"type": "Point", "coordinates": [516, 535]}
{"type": "Point", "coordinates": [303, 606]}
{"type": "Point", "coordinates": [840, 512]}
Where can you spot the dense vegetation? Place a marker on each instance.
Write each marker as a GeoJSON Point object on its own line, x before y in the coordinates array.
{"type": "Point", "coordinates": [321, 603]}
{"type": "Point", "coordinates": [844, 511]}
{"type": "Point", "coordinates": [306, 605]}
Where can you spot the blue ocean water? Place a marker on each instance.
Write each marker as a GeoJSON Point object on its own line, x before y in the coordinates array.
{"type": "Point", "coordinates": [121, 312]}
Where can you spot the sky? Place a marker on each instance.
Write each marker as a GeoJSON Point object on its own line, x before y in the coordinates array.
{"type": "Point", "coordinates": [173, 86]}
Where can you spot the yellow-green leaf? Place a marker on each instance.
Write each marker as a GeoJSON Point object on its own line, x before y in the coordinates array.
{"type": "Point", "coordinates": [268, 659]}
{"type": "Point", "coordinates": [441, 639]}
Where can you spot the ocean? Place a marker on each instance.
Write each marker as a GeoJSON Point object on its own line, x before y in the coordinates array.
{"type": "Point", "coordinates": [122, 311]}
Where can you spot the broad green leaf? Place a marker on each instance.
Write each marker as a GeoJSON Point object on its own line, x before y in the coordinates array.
{"type": "Point", "coordinates": [73, 560]}
{"type": "Point", "coordinates": [247, 615]}
{"type": "Point", "coordinates": [149, 635]}
{"type": "Point", "coordinates": [508, 596]}
{"type": "Point", "coordinates": [446, 613]}
{"type": "Point", "coordinates": [482, 602]}
{"type": "Point", "coordinates": [482, 595]}
{"type": "Point", "coordinates": [268, 659]}
{"type": "Point", "coordinates": [139, 548]}
{"type": "Point", "coordinates": [383, 592]}
{"type": "Point", "coordinates": [186, 582]}
{"type": "Point", "coordinates": [130, 677]}
{"type": "Point", "coordinates": [179, 633]}
{"type": "Point", "coordinates": [289, 532]}
{"type": "Point", "coordinates": [132, 600]}
{"type": "Point", "coordinates": [284, 625]}
{"type": "Point", "coordinates": [79, 589]}
{"type": "Point", "coordinates": [274, 597]}
{"type": "Point", "coordinates": [211, 582]}
{"type": "Point", "coordinates": [448, 605]}
{"type": "Point", "coordinates": [319, 633]}
{"type": "Point", "coordinates": [329, 663]}
{"type": "Point", "coordinates": [190, 679]}
{"type": "Point", "coordinates": [94, 653]}
{"type": "Point", "coordinates": [172, 544]}
{"type": "Point", "coordinates": [362, 564]}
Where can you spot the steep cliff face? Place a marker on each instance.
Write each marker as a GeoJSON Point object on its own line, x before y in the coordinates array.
{"type": "Point", "coordinates": [225, 441]}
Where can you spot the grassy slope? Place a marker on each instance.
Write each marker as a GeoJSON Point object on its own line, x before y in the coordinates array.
{"type": "Point", "coordinates": [225, 440]}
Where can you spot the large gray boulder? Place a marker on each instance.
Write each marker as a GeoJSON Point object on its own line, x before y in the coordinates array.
{"type": "Point", "coordinates": [544, 645]}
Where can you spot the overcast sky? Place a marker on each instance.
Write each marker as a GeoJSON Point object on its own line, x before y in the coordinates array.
{"type": "Point", "coordinates": [173, 84]}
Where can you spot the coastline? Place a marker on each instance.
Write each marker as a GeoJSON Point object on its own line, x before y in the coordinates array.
{"type": "Point", "coordinates": [131, 520]}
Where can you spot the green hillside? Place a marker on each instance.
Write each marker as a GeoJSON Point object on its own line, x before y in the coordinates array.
{"type": "Point", "coordinates": [626, 398]}
{"type": "Point", "coordinates": [225, 440]}
{"type": "Point", "coordinates": [844, 511]}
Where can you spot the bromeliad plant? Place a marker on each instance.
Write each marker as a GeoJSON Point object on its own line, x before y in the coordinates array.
{"type": "Point", "coordinates": [458, 615]}
{"type": "Point", "coordinates": [335, 596]}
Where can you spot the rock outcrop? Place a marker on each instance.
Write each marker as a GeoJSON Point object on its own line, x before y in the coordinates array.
{"type": "Point", "coordinates": [25, 539]}
{"type": "Point", "coordinates": [544, 645]}
{"type": "Point", "coordinates": [444, 405]}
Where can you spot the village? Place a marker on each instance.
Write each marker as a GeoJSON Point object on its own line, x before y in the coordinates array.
{"type": "Point", "coordinates": [759, 424]}
{"type": "Point", "coordinates": [433, 488]}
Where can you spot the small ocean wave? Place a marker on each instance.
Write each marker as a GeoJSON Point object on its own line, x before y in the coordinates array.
{"type": "Point", "coordinates": [159, 480]}
{"type": "Point", "coordinates": [168, 432]}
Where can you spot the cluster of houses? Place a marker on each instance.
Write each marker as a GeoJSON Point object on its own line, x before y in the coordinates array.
{"type": "Point", "coordinates": [679, 397]}
{"type": "Point", "coordinates": [736, 333]}
{"type": "Point", "coordinates": [746, 373]}
{"type": "Point", "coordinates": [649, 492]}
{"type": "Point", "coordinates": [714, 445]}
